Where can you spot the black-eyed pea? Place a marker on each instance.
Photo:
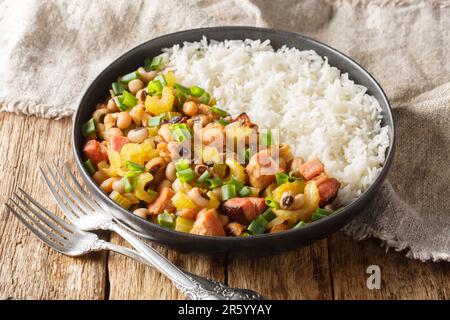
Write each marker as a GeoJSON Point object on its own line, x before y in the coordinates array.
{"type": "Point", "coordinates": [141, 95]}
{"type": "Point", "coordinates": [142, 212]}
{"type": "Point", "coordinates": [119, 186]}
{"type": "Point", "coordinates": [135, 85]}
{"type": "Point", "coordinates": [138, 135]}
{"type": "Point", "coordinates": [110, 120]}
{"type": "Point", "coordinates": [145, 75]}
{"type": "Point", "coordinates": [112, 132]}
{"type": "Point", "coordinates": [171, 173]}
{"type": "Point", "coordinates": [123, 120]}
{"type": "Point", "coordinates": [100, 114]}
{"type": "Point", "coordinates": [107, 185]}
{"type": "Point", "coordinates": [112, 107]}
{"type": "Point", "coordinates": [190, 108]}
{"type": "Point", "coordinates": [138, 113]}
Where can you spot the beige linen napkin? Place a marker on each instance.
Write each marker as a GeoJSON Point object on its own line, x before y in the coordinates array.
{"type": "Point", "coordinates": [51, 50]}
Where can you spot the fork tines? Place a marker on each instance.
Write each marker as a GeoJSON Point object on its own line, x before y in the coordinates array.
{"type": "Point", "coordinates": [47, 226]}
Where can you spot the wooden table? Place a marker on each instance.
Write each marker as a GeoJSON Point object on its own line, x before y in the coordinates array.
{"type": "Point", "coordinates": [334, 268]}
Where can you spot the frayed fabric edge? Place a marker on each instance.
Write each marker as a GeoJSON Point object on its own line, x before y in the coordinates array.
{"type": "Point", "coordinates": [31, 108]}
{"type": "Point", "coordinates": [363, 231]}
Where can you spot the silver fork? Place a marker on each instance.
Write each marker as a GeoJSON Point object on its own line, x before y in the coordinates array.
{"type": "Point", "coordinates": [88, 215]}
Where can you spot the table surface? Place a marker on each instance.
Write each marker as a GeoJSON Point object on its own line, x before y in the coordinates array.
{"type": "Point", "coordinates": [333, 268]}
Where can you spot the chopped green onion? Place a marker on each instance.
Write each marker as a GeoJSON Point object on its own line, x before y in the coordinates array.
{"type": "Point", "coordinates": [219, 111]}
{"type": "Point", "coordinates": [136, 167]}
{"type": "Point", "coordinates": [205, 175]}
{"type": "Point", "coordinates": [245, 192]}
{"type": "Point", "coordinates": [128, 99]}
{"type": "Point", "coordinates": [186, 175]}
{"type": "Point", "coordinates": [154, 121]}
{"type": "Point", "coordinates": [129, 76]}
{"type": "Point", "coordinates": [223, 122]}
{"type": "Point", "coordinates": [205, 98]}
{"type": "Point", "coordinates": [90, 167]}
{"type": "Point", "coordinates": [161, 80]}
{"type": "Point", "coordinates": [228, 191]}
{"type": "Point", "coordinates": [268, 214]}
{"type": "Point", "coordinates": [246, 234]}
{"type": "Point", "coordinates": [182, 164]}
{"type": "Point", "coordinates": [300, 224]}
{"type": "Point", "coordinates": [272, 203]}
{"type": "Point", "coordinates": [281, 178]}
{"type": "Point", "coordinates": [118, 100]}
{"type": "Point", "coordinates": [117, 88]}
{"type": "Point", "coordinates": [154, 64]}
{"type": "Point", "coordinates": [196, 91]}
{"type": "Point", "coordinates": [182, 89]}
{"type": "Point", "coordinates": [154, 87]}
{"type": "Point", "coordinates": [266, 138]}
{"type": "Point", "coordinates": [180, 131]}
{"type": "Point", "coordinates": [214, 182]}
{"type": "Point", "coordinates": [89, 127]}
{"type": "Point", "coordinates": [128, 184]}
{"type": "Point", "coordinates": [319, 213]}
{"type": "Point", "coordinates": [258, 226]}
{"type": "Point", "coordinates": [237, 184]}
{"type": "Point", "coordinates": [165, 220]}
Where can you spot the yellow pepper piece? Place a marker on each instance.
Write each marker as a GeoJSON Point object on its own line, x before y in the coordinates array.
{"type": "Point", "coordinates": [213, 202]}
{"type": "Point", "coordinates": [156, 105]}
{"type": "Point", "coordinates": [181, 201]}
{"type": "Point", "coordinates": [139, 190]}
{"type": "Point", "coordinates": [269, 190]}
{"type": "Point", "coordinates": [236, 170]}
{"type": "Point", "coordinates": [170, 79]}
{"type": "Point", "coordinates": [292, 216]}
{"type": "Point", "coordinates": [210, 154]}
{"type": "Point", "coordinates": [312, 197]}
{"type": "Point", "coordinates": [183, 224]}
{"type": "Point", "coordinates": [132, 152]}
{"type": "Point", "coordinates": [120, 200]}
{"type": "Point", "coordinates": [178, 185]}
{"type": "Point", "coordinates": [295, 187]}
{"type": "Point", "coordinates": [115, 166]}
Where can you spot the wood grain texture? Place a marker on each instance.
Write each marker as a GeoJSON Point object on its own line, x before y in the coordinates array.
{"type": "Point", "coordinates": [401, 278]}
{"type": "Point", "coordinates": [331, 268]}
{"type": "Point", "coordinates": [132, 280]}
{"type": "Point", "coordinates": [300, 274]}
{"type": "Point", "coordinates": [28, 268]}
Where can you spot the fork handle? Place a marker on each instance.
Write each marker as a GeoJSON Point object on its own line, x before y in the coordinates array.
{"type": "Point", "coordinates": [207, 284]}
{"type": "Point", "coordinates": [194, 287]}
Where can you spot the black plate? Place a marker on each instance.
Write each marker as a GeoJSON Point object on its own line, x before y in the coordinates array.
{"type": "Point", "coordinates": [263, 244]}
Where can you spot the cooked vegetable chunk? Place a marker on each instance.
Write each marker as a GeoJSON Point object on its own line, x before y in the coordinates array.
{"type": "Point", "coordinates": [244, 210]}
{"type": "Point", "coordinates": [208, 224]}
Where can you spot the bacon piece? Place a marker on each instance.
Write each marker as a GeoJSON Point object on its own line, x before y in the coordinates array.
{"type": "Point", "coordinates": [244, 210]}
{"type": "Point", "coordinates": [311, 169]}
{"type": "Point", "coordinates": [162, 202]}
{"type": "Point", "coordinates": [117, 142]}
{"type": "Point", "coordinates": [94, 151]}
{"type": "Point", "coordinates": [208, 224]}
{"type": "Point", "coordinates": [328, 189]}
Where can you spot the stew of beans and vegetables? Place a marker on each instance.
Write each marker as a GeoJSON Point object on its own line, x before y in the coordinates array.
{"type": "Point", "coordinates": [167, 153]}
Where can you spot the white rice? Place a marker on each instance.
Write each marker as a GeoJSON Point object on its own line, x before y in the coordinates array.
{"type": "Point", "coordinates": [319, 111]}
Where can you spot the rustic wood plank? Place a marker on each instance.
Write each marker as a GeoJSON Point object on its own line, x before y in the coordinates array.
{"type": "Point", "coordinates": [401, 278]}
{"type": "Point", "coordinates": [132, 280]}
{"type": "Point", "coordinates": [300, 274]}
{"type": "Point", "coordinates": [28, 268]}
